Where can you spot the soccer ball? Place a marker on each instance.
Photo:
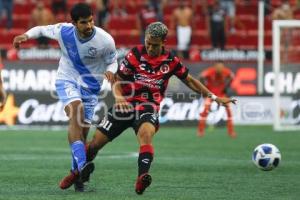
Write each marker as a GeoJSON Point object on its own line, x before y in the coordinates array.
{"type": "Point", "coordinates": [266, 156]}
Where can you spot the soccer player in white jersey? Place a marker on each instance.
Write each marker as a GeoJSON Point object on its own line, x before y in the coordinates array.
{"type": "Point", "coordinates": [88, 54]}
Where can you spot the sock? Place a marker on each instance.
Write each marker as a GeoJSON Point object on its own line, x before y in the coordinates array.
{"type": "Point", "coordinates": [203, 116]}
{"type": "Point", "coordinates": [78, 153]}
{"type": "Point", "coordinates": [91, 152]}
{"type": "Point", "coordinates": [202, 121]}
{"type": "Point", "coordinates": [229, 121]}
{"type": "Point", "coordinates": [74, 164]}
{"type": "Point", "coordinates": [145, 158]}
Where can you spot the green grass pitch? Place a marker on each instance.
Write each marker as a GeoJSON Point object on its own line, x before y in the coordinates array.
{"type": "Point", "coordinates": [214, 167]}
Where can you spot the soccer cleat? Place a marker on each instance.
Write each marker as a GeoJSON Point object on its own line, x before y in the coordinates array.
{"type": "Point", "coordinates": [142, 182]}
{"type": "Point", "coordinates": [84, 176]}
{"type": "Point", "coordinates": [69, 180]}
{"type": "Point", "coordinates": [79, 186]}
{"type": "Point", "coordinates": [77, 178]}
{"type": "Point", "coordinates": [86, 171]}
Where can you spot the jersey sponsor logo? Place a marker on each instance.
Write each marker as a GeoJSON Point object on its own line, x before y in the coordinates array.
{"type": "Point", "coordinates": [146, 160]}
{"type": "Point", "coordinates": [153, 116]}
{"type": "Point", "coordinates": [92, 51]}
{"type": "Point", "coordinates": [146, 68]}
{"type": "Point", "coordinates": [165, 68]}
{"type": "Point", "coordinates": [124, 69]}
{"type": "Point", "coordinates": [148, 82]}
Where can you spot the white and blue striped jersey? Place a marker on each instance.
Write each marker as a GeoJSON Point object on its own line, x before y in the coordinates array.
{"type": "Point", "coordinates": [82, 61]}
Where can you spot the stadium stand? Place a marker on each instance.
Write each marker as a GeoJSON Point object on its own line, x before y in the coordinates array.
{"type": "Point", "coordinates": [123, 28]}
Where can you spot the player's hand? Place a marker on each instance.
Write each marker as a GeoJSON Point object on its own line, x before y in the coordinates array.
{"type": "Point", "coordinates": [123, 106]}
{"type": "Point", "coordinates": [110, 77]}
{"type": "Point", "coordinates": [19, 39]}
{"type": "Point", "coordinates": [225, 101]}
{"type": "Point", "coordinates": [2, 99]}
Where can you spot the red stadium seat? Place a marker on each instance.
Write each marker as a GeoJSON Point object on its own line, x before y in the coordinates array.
{"type": "Point", "coordinates": [122, 23]}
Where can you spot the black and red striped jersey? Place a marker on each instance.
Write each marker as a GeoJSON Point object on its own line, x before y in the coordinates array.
{"type": "Point", "coordinates": [146, 78]}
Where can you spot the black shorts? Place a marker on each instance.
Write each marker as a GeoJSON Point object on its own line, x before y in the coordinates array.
{"type": "Point", "coordinates": [114, 123]}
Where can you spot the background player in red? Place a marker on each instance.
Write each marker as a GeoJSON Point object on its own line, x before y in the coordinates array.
{"type": "Point", "coordinates": [2, 91]}
{"type": "Point", "coordinates": [141, 81]}
{"type": "Point", "coordinates": [217, 79]}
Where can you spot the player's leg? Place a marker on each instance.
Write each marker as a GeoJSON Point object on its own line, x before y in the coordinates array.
{"type": "Point", "coordinates": [96, 144]}
{"type": "Point", "coordinates": [203, 116]}
{"type": "Point", "coordinates": [75, 112]}
{"type": "Point", "coordinates": [230, 127]}
{"type": "Point", "coordinates": [79, 119]}
{"type": "Point", "coordinates": [146, 153]}
{"type": "Point", "coordinates": [89, 102]}
{"type": "Point", "coordinates": [145, 126]}
{"type": "Point", "coordinates": [108, 129]}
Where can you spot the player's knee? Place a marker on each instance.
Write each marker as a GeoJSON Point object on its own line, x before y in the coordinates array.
{"type": "Point", "coordinates": [145, 136]}
{"type": "Point", "coordinates": [75, 110]}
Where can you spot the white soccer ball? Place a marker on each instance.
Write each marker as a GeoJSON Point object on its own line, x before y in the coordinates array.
{"type": "Point", "coordinates": [266, 157]}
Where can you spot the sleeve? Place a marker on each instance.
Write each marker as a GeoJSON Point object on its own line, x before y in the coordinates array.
{"type": "Point", "coordinates": [204, 73]}
{"type": "Point", "coordinates": [126, 69]}
{"type": "Point", "coordinates": [50, 31]}
{"type": "Point", "coordinates": [110, 56]}
{"type": "Point", "coordinates": [180, 71]}
{"type": "Point", "coordinates": [228, 73]}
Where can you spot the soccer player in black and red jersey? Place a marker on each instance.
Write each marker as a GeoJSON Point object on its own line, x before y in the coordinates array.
{"type": "Point", "coordinates": [141, 81]}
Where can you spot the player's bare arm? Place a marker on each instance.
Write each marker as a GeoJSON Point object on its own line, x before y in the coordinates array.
{"type": "Point", "coordinates": [120, 101]}
{"type": "Point", "coordinates": [20, 39]}
{"type": "Point", "coordinates": [109, 76]}
{"type": "Point", "coordinates": [198, 87]}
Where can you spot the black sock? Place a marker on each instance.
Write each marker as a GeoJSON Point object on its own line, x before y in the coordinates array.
{"type": "Point", "coordinates": [145, 159]}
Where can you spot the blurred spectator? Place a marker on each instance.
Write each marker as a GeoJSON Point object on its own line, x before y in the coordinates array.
{"type": "Point", "coordinates": [7, 6]}
{"type": "Point", "coordinates": [284, 11]}
{"type": "Point", "coordinates": [182, 20]}
{"type": "Point", "coordinates": [59, 6]}
{"type": "Point", "coordinates": [268, 7]}
{"type": "Point", "coordinates": [41, 16]}
{"type": "Point", "coordinates": [120, 7]}
{"type": "Point", "coordinates": [102, 7]}
{"type": "Point", "coordinates": [146, 16]}
{"type": "Point", "coordinates": [158, 6]}
{"type": "Point", "coordinates": [229, 7]}
{"type": "Point", "coordinates": [217, 25]}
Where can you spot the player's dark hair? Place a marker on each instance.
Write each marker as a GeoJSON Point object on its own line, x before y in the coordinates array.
{"type": "Point", "coordinates": [82, 10]}
{"type": "Point", "coordinates": [157, 30]}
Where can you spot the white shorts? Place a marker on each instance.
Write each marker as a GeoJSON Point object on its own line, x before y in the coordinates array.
{"type": "Point", "coordinates": [229, 7]}
{"type": "Point", "coordinates": [69, 91]}
{"type": "Point", "coordinates": [184, 34]}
